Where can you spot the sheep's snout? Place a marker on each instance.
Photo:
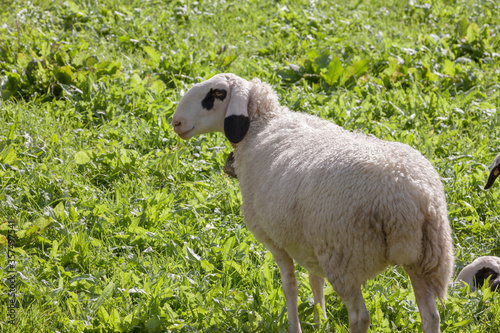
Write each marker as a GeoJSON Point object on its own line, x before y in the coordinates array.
{"type": "Point", "coordinates": [182, 128]}
{"type": "Point", "coordinates": [177, 124]}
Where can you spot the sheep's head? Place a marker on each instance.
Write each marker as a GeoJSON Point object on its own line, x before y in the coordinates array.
{"type": "Point", "coordinates": [215, 105]}
{"type": "Point", "coordinates": [481, 270]}
{"type": "Point", "coordinates": [495, 171]}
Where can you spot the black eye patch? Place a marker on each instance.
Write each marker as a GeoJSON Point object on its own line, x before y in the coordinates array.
{"type": "Point", "coordinates": [208, 101]}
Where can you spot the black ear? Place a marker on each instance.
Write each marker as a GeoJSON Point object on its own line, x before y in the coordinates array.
{"type": "Point", "coordinates": [493, 175]}
{"type": "Point", "coordinates": [236, 127]}
{"type": "Point", "coordinates": [483, 274]}
{"type": "Point", "coordinates": [495, 284]}
{"type": "Point", "coordinates": [237, 121]}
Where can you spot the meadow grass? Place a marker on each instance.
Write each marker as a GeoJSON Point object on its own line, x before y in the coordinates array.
{"type": "Point", "coordinates": [123, 227]}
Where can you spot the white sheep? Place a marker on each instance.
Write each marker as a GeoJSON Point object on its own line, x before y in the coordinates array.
{"type": "Point", "coordinates": [343, 205]}
{"type": "Point", "coordinates": [477, 272]}
{"type": "Point", "coordinates": [494, 172]}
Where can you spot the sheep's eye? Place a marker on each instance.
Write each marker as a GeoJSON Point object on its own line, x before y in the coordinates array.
{"type": "Point", "coordinates": [208, 101]}
{"type": "Point", "coordinates": [219, 94]}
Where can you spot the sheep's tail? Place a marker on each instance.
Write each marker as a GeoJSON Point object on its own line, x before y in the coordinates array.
{"type": "Point", "coordinates": [437, 262]}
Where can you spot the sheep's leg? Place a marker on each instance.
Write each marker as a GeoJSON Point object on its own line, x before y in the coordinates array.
{"type": "Point", "coordinates": [317, 286]}
{"type": "Point", "coordinates": [426, 301]}
{"type": "Point", "coordinates": [359, 318]}
{"type": "Point", "coordinates": [289, 285]}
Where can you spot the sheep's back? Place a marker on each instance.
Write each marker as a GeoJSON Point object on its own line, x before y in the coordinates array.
{"type": "Point", "coordinates": [307, 181]}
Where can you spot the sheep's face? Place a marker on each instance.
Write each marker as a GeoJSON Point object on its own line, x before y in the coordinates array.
{"type": "Point", "coordinates": [216, 105]}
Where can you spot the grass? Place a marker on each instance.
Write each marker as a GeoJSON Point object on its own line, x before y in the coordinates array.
{"type": "Point", "coordinates": [123, 227]}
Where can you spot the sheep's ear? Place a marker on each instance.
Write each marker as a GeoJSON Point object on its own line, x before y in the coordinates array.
{"type": "Point", "coordinates": [237, 122]}
{"type": "Point", "coordinates": [483, 275]}
{"type": "Point", "coordinates": [495, 284]}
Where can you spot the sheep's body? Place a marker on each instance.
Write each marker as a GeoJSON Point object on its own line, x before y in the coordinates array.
{"type": "Point", "coordinates": [341, 201]}
{"type": "Point", "coordinates": [343, 205]}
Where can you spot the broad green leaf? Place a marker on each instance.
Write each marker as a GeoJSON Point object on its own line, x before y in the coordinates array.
{"type": "Point", "coordinates": [103, 314]}
{"type": "Point", "coordinates": [153, 324]}
{"type": "Point", "coordinates": [127, 319]}
{"type": "Point", "coordinates": [321, 61]}
{"type": "Point", "coordinates": [114, 318]}
{"type": "Point", "coordinates": [333, 71]}
{"type": "Point", "coordinates": [461, 27]}
{"type": "Point", "coordinates": [72, 6]}
{"type": "Point", "coordinates": [207, 266]}
{"type": "Point", "coordinates": [135, 80]}
{"type": "Point", "coordinates": [158, 87]}
{"type": "Point", "coordinates": [200, 196]}
{"type": "Point", "coordinates": [136, 229]}
{"type": "Point", "coordinates": [227, 60]}
{"type": "Point", "coordinates": [73, 215]}
{"type": "Point", "coordinates": [431, 76]}
{"type": "Point", "coordinates": [91, 61]}
{"type": "Point", "coordinates": [55, 247]}
{"type": "Point", "coordinates": [236, 266]}
{"type": "Point", "coordinates": [449, 68]}
{"type": "Point", "coordinates": [169, 311]}
{"type": "Point", "coordinates": [312, 55]}
{"type": "Point", "coordinates": [59, 209]}
{"type": "Point", "coordinates": [472, 33]}
{"type": "Point", "coordinates": [79, 59]}
{"type": "Point", "coordinates": [13, 81]}
{"type": "Point", "coordinates": [462, 323]}
{"type": "Point", "coordinates": [63, 74]}
{"type": "Point", "coordinates": [107, 68]}
{"type": "Point", "coordinates": [153, 54]}
{"type": "Point", "coordinates": [106, 293]}
{"type": "Point", "coordinates": [12, 128]}
{"type": "Point", "coordinates": [43, 223]}
{"type": "Point", "coordinates": [124, 159]}
{"type": "Point", "coordinates": [8, 155]}
{"type": "Point", "coordinates": [82, 158]}
{"type": "Point", "coordinates": [361, 67]}
{"type": "Point", "coordinates": [29, 232]}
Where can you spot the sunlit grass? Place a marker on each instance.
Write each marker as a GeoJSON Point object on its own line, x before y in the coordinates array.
{"type": "Point", "coordinates": [124, 227]}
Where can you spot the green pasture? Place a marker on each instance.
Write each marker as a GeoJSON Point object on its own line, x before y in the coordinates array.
{"type": "Point", "coordinates": [121, 226]}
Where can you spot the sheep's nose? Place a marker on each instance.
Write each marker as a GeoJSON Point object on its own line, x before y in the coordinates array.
{"type": "Point", "coordinates": [176, 123]}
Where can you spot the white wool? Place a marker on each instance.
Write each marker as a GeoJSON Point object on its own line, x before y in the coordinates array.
{"type": "Point", "coordinates": [310, 184]}
{"type": "Point", "coordinates": [341, 201]}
